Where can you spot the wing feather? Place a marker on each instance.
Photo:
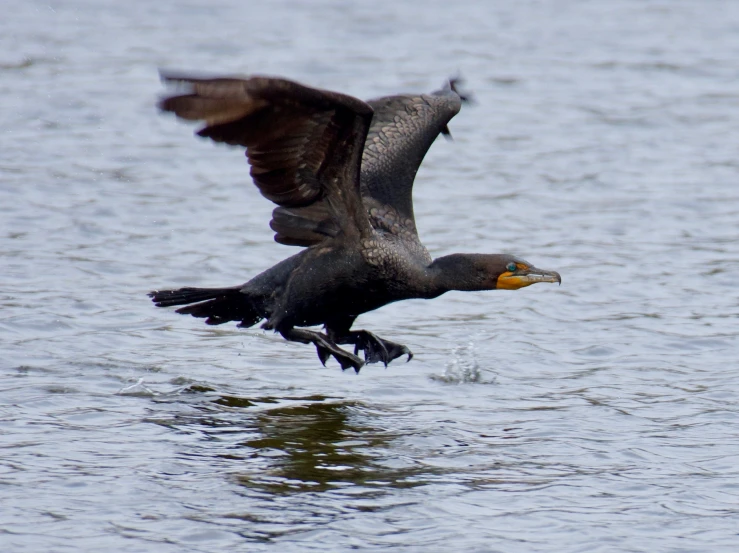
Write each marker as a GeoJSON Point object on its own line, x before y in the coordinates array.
{"type": "Point", "coordinates": [402, 131]}
{"type": "Point", "coordinates": [304, 146]}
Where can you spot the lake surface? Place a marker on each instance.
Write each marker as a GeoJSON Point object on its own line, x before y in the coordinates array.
{"type": "Point", "coordinates": [599, 416]}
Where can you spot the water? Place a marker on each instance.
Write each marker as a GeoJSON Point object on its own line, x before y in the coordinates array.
{"type": "Point", "coordinates": [596, 416]}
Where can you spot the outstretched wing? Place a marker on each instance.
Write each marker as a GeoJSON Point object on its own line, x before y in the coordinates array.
{"type": "Point", "coordinates": [403, 129]}
{"type": "Point", "coordinates": [304, 146]}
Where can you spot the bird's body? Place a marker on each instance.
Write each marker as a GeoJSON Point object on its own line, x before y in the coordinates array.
{"type": "Point", "coordinates": [341, 172]}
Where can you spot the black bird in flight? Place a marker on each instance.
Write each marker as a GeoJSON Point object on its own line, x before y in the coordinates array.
{"type": "Point", "coordinates": [341, 172]}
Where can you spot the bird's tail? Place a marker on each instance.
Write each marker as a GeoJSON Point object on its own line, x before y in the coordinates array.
{"type": "Point", "coordinates": [216, 305]}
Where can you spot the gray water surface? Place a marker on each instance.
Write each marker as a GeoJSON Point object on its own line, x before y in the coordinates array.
{"type": "Point", "coordinates": [596, 416]}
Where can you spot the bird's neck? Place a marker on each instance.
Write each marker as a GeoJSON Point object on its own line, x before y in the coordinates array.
{"type": "Point", "coordinates": [459, 271]}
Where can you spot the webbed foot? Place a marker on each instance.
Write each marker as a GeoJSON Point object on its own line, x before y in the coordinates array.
{"type": "Point", "coordinates": [324, 347]}
{"type": "Point", "coordinates": [375, 348]}
{"type": "Point", "coordinates": [344, 358]}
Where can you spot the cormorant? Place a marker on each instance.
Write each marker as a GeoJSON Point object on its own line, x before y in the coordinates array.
{"type": "Point", "coordinates": [341, 172]}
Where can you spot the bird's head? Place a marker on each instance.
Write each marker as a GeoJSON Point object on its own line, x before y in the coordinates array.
{"type": "Point", "coordinates": [514, 273]}
{"type": "Point", "coordinates": [474, 271]}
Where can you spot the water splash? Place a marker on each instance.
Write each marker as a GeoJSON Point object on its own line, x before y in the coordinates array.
{"type": "Point", "coordinates": [462, 367]}
{"type": "Point", "coordinates": [138, 389]}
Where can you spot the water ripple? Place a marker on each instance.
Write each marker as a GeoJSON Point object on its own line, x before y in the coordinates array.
{"type": "Point", "coordinates": [598, 416]}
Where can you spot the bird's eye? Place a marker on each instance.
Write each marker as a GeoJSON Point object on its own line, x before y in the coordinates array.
{"type": "Point", "coordinates": [511, 267]}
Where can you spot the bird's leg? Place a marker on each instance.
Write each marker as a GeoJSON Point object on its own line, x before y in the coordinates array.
{"type": "Point", "coordinates": [375, 348]}
{"type": "Point", "coordinates": [324, 346]}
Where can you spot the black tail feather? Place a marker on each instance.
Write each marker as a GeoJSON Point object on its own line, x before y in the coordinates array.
{"type": "Point", "coordinates": [219, 305]}
{"type": "Point", "coordinates": [184, 296]}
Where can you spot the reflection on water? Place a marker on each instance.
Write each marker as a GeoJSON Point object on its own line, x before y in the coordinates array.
{"type": "Point", "coordinates": [318, 446]}
{"type": "Point", "coordinates": [298, 444]}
